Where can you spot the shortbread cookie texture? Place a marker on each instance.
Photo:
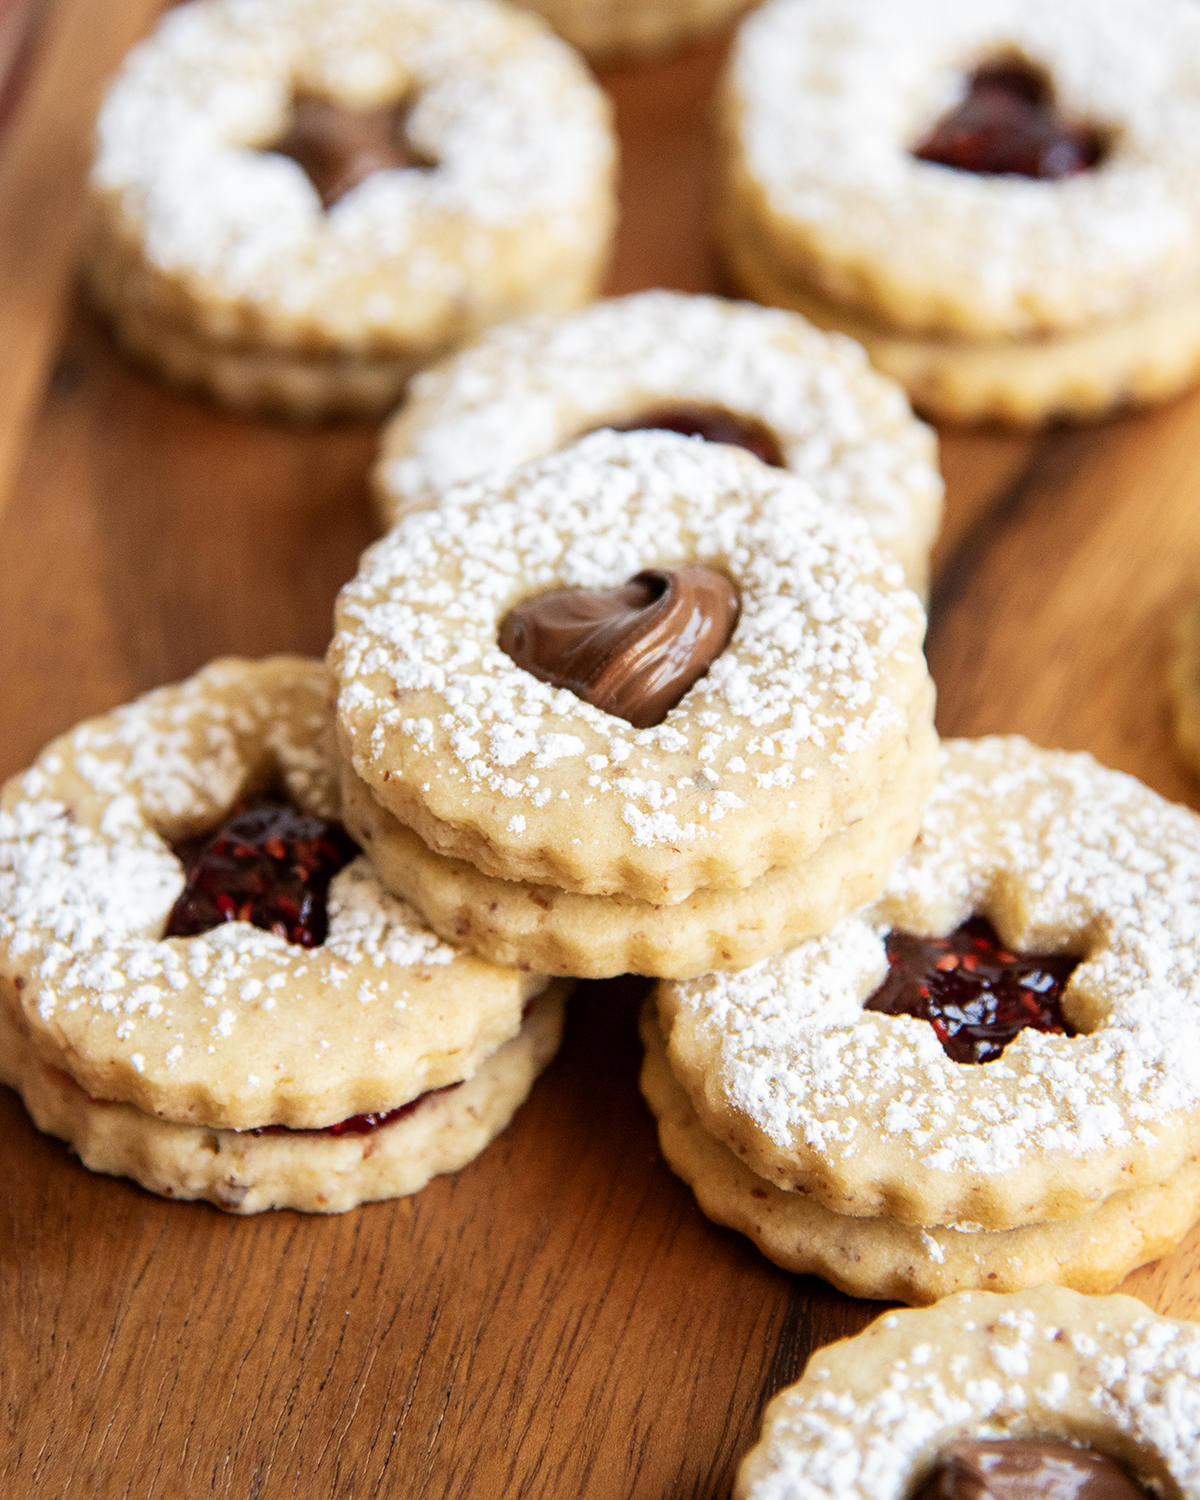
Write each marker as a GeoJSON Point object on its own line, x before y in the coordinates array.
{"type": "Point", "coordinates": [884, 1258]}
{"type": "Point", "coordinates": [790, 737]}
{"type": "Point", "coordinates": [869, 1114]}
{"type": "Point", "coordinates": [487, 193]}
{"type": "Point", "coordinates": [537, 384]}
{"type": "Point", "coordinates": [553, 931]}
{"type": "Point", "coordinates": [968, 281]}
{"type": "Point", "coordinates": [318, 1171]}
{"type": "Point", "coordinates": [613, 30]}
{"type": "Point", "coordinates": [237, 1027]}
{"type": "Point", "coordinates": [873, 1417]}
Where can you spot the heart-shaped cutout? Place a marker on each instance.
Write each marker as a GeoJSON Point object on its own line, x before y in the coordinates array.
{"type": "Point", "coordinates": [1019, 1468]}
{"type": "Point", "coordinates": [633, 650]}
{"type": "Point", "coordinates": [715, 424]}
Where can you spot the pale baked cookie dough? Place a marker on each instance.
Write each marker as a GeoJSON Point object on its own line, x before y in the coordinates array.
{"type": "Point", "coordinates": [532, 386]}
{"type": "Point", "coordinates": [871, 1415]}
{"type": "Point", "coordinates": [245, 1173]}
{"type": "Point", "coordinates": [616, 30]}
{"type": "Point", "coordinates": [866, 1111]}
{"type": "Point", "coordinates": [886, 1259]}
{"type": "Point", "coordinates": [553, 931]}
{"type": "Point", "coordinates": [214, 258]}
{"type": "Point", "coordinates": [235, 1028]}
{"type": "Point", "coordinates": [985, 295]}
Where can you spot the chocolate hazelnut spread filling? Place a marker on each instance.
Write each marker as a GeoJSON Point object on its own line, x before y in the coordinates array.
{"type": "Point", "coordinates": [633, 650]}
{"type": "Point", "coordinates": [338, 147]}
{"type": "Point", "coordinates": [715, 424]}
{"type": "Point", "coordinates": [1027, 1469]}
{"type": "Point", "coordinates": [1008, 122]}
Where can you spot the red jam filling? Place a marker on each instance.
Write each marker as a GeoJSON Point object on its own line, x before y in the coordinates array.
{"type": "Point", "coordinates": [360, 1124]}
{"type": "Point", "coordinates": [973, 992]}
{"type": "Point", "coordinates": [269, 865]}
{"type": "Point", "coordinates": [1008, 122]}
{"type": "Point", "coordinates": [712, 423]}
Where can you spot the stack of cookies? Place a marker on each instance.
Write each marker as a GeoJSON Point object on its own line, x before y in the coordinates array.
{"type": "Point", "coordinates": [646, 704]}
{"type": "Point", "coordinates": [205, 987]}
{"type": "Point", "coordinates": [987, 1077]}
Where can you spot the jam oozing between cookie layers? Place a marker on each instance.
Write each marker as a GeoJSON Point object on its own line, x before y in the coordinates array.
{"type": "Point", "coordinates": [267, 864]}
{"type": "Point", "coordinates": [715, 424]}
{"type": "Point", "coordinates": [339, 147]}
{"type": "Point", "coordinates": [633, 650]}
{"type": "Point", "coordinates": [360, 1124]}
{"type": "Point", "coordinates": [1008, 122]}
{"type": "Point", "coordinates": [973, 992]}
{"type": "Point", "coordinates": [1027, 1469]}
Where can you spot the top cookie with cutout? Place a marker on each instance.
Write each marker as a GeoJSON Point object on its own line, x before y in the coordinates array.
{"type": "Point", "coordinates": [874, 1416]}
{"type": "Point", "coordinates": [536, 384]}
{"type": "Point", "coordinates": [871, 1113]}
{"type": "Point", "coordinates": [234, 1027]}
{"type": "Point", "coordinates": [827, 103]}
{"type": "Point", "coordinates": [790, 736]}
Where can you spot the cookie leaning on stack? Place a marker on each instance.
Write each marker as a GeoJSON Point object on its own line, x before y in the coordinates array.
{"type": "Point", "coordinates": [908, 1106]}
{"type": "Point", "coordinates": [573, 837]}
{"type": "Point", "coordinates": [244, 1014]}
{"type": "Point", "coordinates": [727, 371]}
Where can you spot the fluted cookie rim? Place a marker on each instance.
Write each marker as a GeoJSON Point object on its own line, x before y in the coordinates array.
{"type": "Point", "coordinates": [832, 181]}
{"type": "Point", "coordinates": [1150, 355]}
{"type": "Point", "coordinates": [533, 385]}
{"type": "Point", "coordinates": [235, 1028]}
{"type": "Point", "coordinates": [810, 701]}
{"type": "Point", "coordinates": [866, 1111]}
{"type": "Point", "coordinates": [241, 1173]}
{"type": "Point", "coordinates": [887, 1260]}
{"type": "Point", "coordinates": [407, 263]}
{"type": "Point", "coordinates": [598, 937]}
{"type": "Point", "coordinates": [870, 1414]}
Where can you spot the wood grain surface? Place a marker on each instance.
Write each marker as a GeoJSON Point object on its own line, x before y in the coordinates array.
{"type": "Point", "coordinates": [558, 1319]}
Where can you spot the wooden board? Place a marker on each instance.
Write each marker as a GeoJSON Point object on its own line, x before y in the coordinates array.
{"type": "Point", "coordinates": [558, 1319]}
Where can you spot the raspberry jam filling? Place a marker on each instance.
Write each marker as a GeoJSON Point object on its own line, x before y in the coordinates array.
{"type": "Point", "coordinates": [1027, 1469]}
{"type": "Point", "coordinates": [1008, 122]}
{"type": "Point", "coordinates": [267, 864]}
{"type": "Point", "coordinates": [360, 1124]}
{"type": "Point", "coordinates": [715, 424]}
{"type": "Point", "coordinates": [338, 147]}
{"type": "Point", "coordinates": [973, 992]}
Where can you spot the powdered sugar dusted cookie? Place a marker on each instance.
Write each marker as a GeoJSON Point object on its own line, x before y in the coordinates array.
{"type": "Point", "coordinates": [728, 370]}
{"type": "Point", "coordinates": [876, 1417]}
{"type": "Point", "coordinates": [1092, 883]}
{"type": "Point", "coordinates": [999, 199]}
{"type": "Point", "coordinates": [297, 203]}
{"type": "Point", "coordinates": [814, 699]}
{"type": "Point", "coordinates": [379, 1155]}
{"type": "Point", "coordinates": [867, 1257]}
{"type": "Point", "coordinates": [234, 1026]}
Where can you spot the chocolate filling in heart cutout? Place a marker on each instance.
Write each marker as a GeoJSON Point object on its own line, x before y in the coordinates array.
{"type": "Point", "coordinates": [715, 424]}
{"type": "Point", "coordinates": [633, 650]}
